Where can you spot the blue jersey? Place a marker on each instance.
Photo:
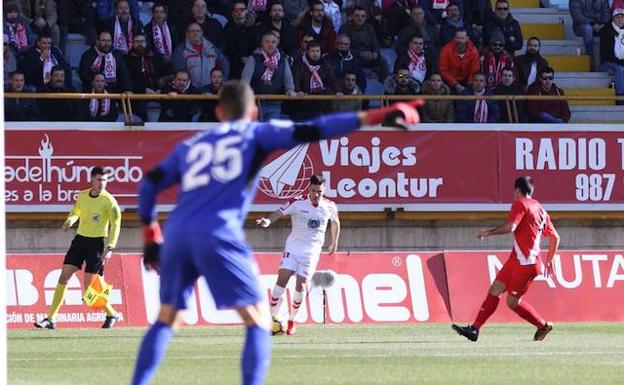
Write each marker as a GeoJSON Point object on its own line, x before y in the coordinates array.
{"type": "Point", "coordinates": [216, 171]}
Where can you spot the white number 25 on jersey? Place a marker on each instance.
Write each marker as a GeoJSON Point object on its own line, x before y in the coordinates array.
{"type": "Point", "coordinates": [225, 157]}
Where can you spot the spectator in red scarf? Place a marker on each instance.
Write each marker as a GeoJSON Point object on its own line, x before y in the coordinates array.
{"type": "Point", "coordinates": [494, 59]}
{"type": "Point", "coordinates": [417, 59]}
{"type": "Point", "coordinates": [17, 29]}
{"type": "Point", "coordinates": [124, 27]}
{"type": "Point", "coordinates": [100, 109]}
{"type": "Point", "coordinates": [40, 59]}
{"type": "Point", "coordinates": [102, 58]}
{"type": "Point", "coordinates": [161, 36]}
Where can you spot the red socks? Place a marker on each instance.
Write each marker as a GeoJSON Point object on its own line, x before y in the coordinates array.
{"type": "Point", "coordinates": [487, 308]}
{"type": "Point", "coordinates": [527, 312]}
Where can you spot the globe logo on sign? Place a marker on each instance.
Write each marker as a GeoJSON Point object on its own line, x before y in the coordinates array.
{"type": "Point", "coordinates": [288, 175]}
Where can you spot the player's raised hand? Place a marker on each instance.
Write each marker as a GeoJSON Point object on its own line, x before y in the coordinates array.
{"type": "Point", "coordinates": [398, 115]}
{"type": "Point", "coordinates": [152, 239]}
{"type": "Point", "coordinates": [263, 222]}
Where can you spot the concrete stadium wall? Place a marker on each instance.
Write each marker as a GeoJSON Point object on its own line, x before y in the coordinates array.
{"type": "Point", "coordinates": [45, 236]}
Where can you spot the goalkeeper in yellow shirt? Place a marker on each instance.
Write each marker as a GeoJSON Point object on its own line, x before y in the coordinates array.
{"type": "Point", "coordinates": [96, 237]}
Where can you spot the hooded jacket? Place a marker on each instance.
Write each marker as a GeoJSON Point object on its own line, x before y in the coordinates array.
{"type": "Point", "coordinates": [199, 64]}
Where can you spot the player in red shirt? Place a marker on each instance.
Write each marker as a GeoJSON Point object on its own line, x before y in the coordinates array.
{"type": "Point", "coordinates": [529, 222]}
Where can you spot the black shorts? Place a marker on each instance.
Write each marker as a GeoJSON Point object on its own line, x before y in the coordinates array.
{"type": "Point", "coordinates": [86, 250]}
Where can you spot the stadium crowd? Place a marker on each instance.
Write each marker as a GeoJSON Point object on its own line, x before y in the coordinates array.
{"type": "Point", "coordinates": [295, 48]}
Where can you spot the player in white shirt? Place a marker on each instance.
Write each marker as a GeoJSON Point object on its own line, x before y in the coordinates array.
{"type": "Point", "coordinates": [309, 218]}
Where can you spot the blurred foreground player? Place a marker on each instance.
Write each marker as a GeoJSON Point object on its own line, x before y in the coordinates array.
{"type": "Point", "coordinates": [529, 222]}
{"type": "Point", "coordinates": [216, 172]}
{"type": "Point", "coordinates": [309, 218]}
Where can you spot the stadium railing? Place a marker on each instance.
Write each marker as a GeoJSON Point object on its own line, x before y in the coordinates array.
{"type": "Point", "coordinates": [126, 99]}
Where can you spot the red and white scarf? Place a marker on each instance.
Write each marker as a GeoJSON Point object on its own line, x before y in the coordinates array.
{"type": "Point", "coordinates": [417, 65]}
{"type": "Point", "coordinates": [110, 65]}
{"type": "Point", "coordinates": [494, 69]}
{"type": "Point", "coordinates": [99, 107]}
{"type": "Point", "coordinates": [270, 64]}
{"type": "Point", "coordinates": [316, 82]}
{"type": "Point", "coordinates": [162, 38]}
{"type": "Point", "coordinates": [618, 47]}
{"type": "Point", "coordinates": [17, 36]}
{"type": "Point", "coordinates": [48, 64]}
{"type": "Point", "coordinates": [120, 40]}
{"type": "Point", "coordinates": [481, 108]}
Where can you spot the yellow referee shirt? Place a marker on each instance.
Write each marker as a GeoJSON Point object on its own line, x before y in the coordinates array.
{"type": "Point", "coordinates": [96, 215]}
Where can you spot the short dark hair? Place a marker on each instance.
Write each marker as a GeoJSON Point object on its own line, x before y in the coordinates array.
{"type": "Point", "coordinates": [317, 180]}
{"type": "Point", "coordinates": [56, 69]}
{"type": "Point", "coordinates": [235, 98]}
{"type": "Point", "coordinates": [535, 38]}
{"type": "Point", "coordinates": [44, 34]}
{"type": "Point", "coordinates": [547, 70]}
{"type": "Point", "coordinates": [215, 69]}
{"type": "Point", "coordinates": [525, 185]}
{"type": "Point", "coordinates": [156, 5]}
{"type": "Point", "coordinates": [508, 69]}
{"type": "Point", "coordinates": [313, 44]}
{"type": "Point", "coordinates": [97, 170]}
{"type": "Point", "coordinates": [16, 72]}
{"type": "Point", "coordinates": [181, 72]}
{"type": "Point", "coordinates": [100, 32]}
{"type": "Point", "coordinates": [461, 29]}
{"type": "Point", "coordinates": [479, 73]}
{"type": "Point", "coordinates": [98, 73]}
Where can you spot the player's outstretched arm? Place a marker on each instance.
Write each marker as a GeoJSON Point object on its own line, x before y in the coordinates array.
{"type": "Point", "coordinates": [283, 134]}
{"type": "Point", "coordinates": [505, 228]}
{"type": "Point", "coordinates": [266, 222]}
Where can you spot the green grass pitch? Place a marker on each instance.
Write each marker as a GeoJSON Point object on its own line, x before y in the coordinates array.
{"type": "Point", "coordinates": [589, 353]}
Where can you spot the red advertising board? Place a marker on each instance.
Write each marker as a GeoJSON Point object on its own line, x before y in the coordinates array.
{"type": "Point", "coordinates": [368, 170]}
{"type": "Point", "coordinates": [370, 287]}
{"type": "Point", "coordinates": [587, 286]}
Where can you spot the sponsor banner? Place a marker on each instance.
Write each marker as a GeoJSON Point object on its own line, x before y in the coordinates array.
{"type": "Point", "coordinates": [368, 170]}
{"type": "Point", "coordinates": [370, 287]}
{"type": "Point", "coordinates": [568, 167]}
{"type": "Point", "coordinates": [587, 286]}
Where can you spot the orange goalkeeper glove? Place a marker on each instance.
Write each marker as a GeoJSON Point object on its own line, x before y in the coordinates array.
{"type": "Point", "coordinates": [397, 115]}
{"type": "Point", "coordinates": [152, 239]}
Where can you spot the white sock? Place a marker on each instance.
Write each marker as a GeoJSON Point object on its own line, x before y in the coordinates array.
{"type": "Point", "coordinates": [297, 300]}
{"type": "Point", "coordinates": [276, 299]}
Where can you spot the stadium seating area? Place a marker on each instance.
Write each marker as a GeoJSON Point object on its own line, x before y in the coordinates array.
{"type": "Point", "coordinates": [576, 72]}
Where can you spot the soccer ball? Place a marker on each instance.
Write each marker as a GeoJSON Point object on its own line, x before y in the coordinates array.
{"type": "Point", "coordinates": [278, 326]}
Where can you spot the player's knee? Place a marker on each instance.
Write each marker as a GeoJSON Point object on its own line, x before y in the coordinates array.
{"type": "Point", "coordinates": [512, 301]}
{"type": "Point", "coordinates": [170, 316]}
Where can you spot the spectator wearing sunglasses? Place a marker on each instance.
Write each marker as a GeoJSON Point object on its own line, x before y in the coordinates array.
{"type": "Point", "coordinates": [547, 111]}
{"type": "Point", "coordinates": [494, 59]}
{"type": "Point", "coordinates": [502, 20]}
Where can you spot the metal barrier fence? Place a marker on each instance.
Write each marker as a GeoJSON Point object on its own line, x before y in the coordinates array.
{"type": "Point", "coordinates": [126, 99]}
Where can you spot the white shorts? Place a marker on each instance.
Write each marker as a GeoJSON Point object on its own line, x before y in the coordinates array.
{"type": "Point", "coordinates": [303, 265]}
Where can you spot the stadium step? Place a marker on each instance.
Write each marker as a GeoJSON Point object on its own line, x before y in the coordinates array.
{"type": "Point", "coordinates": [597, 114]}
{"type": "Point", "coordinates": [540, 15]}
{"type": "Point", "coordinates": [522, 3]}
{"type": "Point", "coordinates": [566, 63]}
{"type": "Point", "coordinates": [557, 47]}
{"type": "Point", "coordinates": [583, 79]}
{"type": "Point", "coordinates": [550, 31]}
{"type": "Point", "coordinates": [590, 92]}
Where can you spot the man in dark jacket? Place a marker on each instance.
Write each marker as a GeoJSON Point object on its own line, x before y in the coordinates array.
{"type": "Point", "coordinates": [145, 68]}
{"type": "Point", "coordinates": [102, 58]}
{"type": "Point", "coordinates": [589, 16]}
{"type": "Point", "coordinates": [277, 22]}
{"type": "Point", "coordinates": [612, 49]}
{"type": "Point", "coordinates": [161, 36]}
{"type": "Point", "coordinates": [343, 61]}
{"type": "Point", "coordinates": [240, 37]}
{"type": "Point", "coordinates": [547, 111]}
{"type": "Point", "coordinates": [100, 109]}
{"type": "Point", "coordinates": [58, 110]}
{"type": "Point", "coordinates": [178, 110]}
{"type": "Point", "coordinates": [19, 109]}
{"type": "Point", "coordinates": [477, 111]}
{"type": "Point", "coordinates": [507, 86]}
{"type": "Point", "coordinates": [529, 65]}
{"type": "Point", "coordinates": [316, 24]}
{"type": "Point", "coordinates": [76, 16]}
{"type": "Point", "coordinates": [418, 25]}
{"type": "Point", "coordinates": [213, 30]}
{"type": "Point", "coordinates": [501, 19]}
{"type": "Point", "coordinates": [40, 59]}
{"type": "Point", "coordinates": [124, 27]}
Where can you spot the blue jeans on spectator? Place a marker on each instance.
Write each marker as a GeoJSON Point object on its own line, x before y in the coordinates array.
{"type": "Point", "coordinates": [586, 31]}
{"type": "Point", "coordinates": [545, 117]}
{"type": "Point", "coordinates": [270, 110]}
{"type": "Point", "coordinates": [618, 72]}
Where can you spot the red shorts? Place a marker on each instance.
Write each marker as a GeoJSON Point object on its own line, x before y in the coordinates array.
{"type": "Point", "coordinates": [516, 277]}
